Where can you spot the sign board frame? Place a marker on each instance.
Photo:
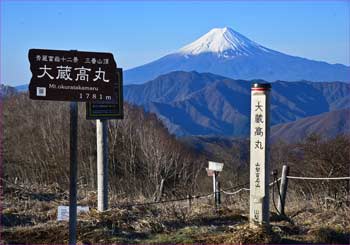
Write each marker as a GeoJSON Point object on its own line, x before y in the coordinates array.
{"type": "Point", "coordinates": [63, 75]}
{"type": "Point", "coordinates": [108, 110]}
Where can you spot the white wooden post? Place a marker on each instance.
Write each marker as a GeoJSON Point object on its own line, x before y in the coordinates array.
{"type": "Point", "coordinates": [214, 185]}
{"type": "Point", "coordinates": [102, 165]}
{"type": "Point", "coordinates": [259, 154]}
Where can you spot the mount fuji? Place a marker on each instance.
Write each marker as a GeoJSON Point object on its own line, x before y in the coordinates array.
{"type": "Point", "coordinates": [226, 52]}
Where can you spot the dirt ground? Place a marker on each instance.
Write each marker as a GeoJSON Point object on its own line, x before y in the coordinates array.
{"type": "Point", "coordinates": [29, 217]}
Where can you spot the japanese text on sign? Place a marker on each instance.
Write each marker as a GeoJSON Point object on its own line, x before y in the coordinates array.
{"type": "Point", "coordinates": [259, 165]}
{"type": "Point", "coordinates": [258, 137]}
{"type": "Point", "coordinates": [72, 75]}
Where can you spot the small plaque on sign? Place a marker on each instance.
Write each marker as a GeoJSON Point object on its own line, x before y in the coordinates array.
{"type": "Point", "coordinates": [108, 110]}
{"type": "Point", "coordinates": [63, 212]}
{"type": "Point", "coordinates": [215, 166]}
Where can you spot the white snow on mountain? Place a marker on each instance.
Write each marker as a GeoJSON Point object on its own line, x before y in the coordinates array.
{"type": "Point", "coordinates": [225, 42]}
{"type": "Point", "coordinates": [225, 52]}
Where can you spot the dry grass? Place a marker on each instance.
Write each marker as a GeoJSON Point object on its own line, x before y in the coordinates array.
{"type": "Point", "coordinates": [30, 217]}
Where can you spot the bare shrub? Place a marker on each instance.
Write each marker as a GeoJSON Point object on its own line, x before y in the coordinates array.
{"type": "Point", "coordinates": [142, 153]}
{"type": "Point", "coordinates": [316, 156]}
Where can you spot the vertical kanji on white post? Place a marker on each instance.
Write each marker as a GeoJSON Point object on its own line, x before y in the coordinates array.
{"type": "Point", "coordinates": [259, 153]}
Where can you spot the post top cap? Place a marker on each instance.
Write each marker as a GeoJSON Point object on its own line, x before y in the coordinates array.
{"type": "Point", "coordinates": [261, 86]}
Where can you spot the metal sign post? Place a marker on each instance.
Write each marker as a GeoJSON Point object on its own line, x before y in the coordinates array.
{"type": "Point", "coordinates": [259, 154]}
{"type": "Point", "coordinates": [73, 172]}
{"type": "Point", "coordinates": [214, 185]}
{"type": "Point", "coordinates": [103, 111]}
{"type": "Point", "coordinates": [102, 164]}
{"type": "Point", "coordinates": [217, 190]}
{"type": "Point", "coordinates": [214, 169]}
{"type": "Point", "coordinates": [75, 76]}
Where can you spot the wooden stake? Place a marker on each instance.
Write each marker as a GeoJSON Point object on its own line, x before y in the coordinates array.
{"type": "Point", "coordinates": [189, 201]}
{"type": "Point", "coordinates": [283, 190]}
{"type": "Point", "coordinates": [161, 189]}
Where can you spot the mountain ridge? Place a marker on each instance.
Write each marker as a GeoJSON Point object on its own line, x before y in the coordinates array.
{"type": "Point", "coordinates": [221, 106]}
{"type": "Point", "coordinates": [225, 42]}
{"type": "Point", "coordinates": [226, 52]}
{"type": "Point", "coordinates": [327, 124]}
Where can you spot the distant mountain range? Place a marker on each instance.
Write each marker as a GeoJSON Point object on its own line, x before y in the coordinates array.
{"type": "Point", "coordinates": [205, 107]}
{"type": "Point", "coordinates": [192, 103]}
{"type": "Point", "coordinates": [22, 88]}
{"type": "Point", "coordinates": [204, 87]}
{"type": "Point", "coordinates": [327, 124]}
{"type": "Point", "coordinates": [6, 90]}
{"type": "Point", "coordinates": [220, 148]}
{"type": "Point", "coordinates": [226, 52]}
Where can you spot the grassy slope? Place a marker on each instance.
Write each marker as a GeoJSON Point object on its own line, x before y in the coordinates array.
{"type": "Point", "coordinates": [29, 217]}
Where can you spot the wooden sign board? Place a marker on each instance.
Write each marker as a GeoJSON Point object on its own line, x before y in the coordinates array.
{"type": "Point", "coordinates": [108, 110]}
{"type": "Point", "coordinates": [71, 75]}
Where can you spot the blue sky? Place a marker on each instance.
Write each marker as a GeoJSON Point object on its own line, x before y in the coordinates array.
{"type": "Point", "coordinates": [138, 32]}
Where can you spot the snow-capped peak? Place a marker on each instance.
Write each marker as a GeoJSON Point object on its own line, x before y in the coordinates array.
{"type": "Point", "coordinates": [225, 42]}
